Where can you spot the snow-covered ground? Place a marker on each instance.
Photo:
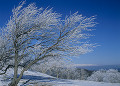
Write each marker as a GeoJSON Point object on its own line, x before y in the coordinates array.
{"type": "Point", "coordinates": [85, 83]}
{"type": "Point", "coordinates": [40, 79]}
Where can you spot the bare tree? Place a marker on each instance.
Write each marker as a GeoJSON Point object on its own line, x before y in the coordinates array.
{"type": "Point", "coordinates": [33, 34]}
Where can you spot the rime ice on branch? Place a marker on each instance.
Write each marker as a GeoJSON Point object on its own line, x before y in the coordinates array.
{"type": "Point", "coordinates": [33, 34]}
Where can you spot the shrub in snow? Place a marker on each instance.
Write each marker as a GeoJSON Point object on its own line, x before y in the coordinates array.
{"type": "Point", "coordinates": [110, 75]}
{"type": "Point", "coordinates": [97, 76]}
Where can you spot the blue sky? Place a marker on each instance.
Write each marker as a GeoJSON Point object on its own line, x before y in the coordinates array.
{"type": "Point", "coordinates": [107, 33]}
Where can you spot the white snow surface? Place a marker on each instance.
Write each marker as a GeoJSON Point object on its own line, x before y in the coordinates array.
{"type": "Point", "coordinates": [38, 79]}
{"type": "Point", "coordinates": [85, 83]}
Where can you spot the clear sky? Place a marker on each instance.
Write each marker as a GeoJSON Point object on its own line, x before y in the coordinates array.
{"type": "Point", "coordinates": [107, 33]}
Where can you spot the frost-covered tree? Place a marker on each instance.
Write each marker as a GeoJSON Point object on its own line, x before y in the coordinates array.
{"type": "Point", "coordinates": [33, 34]}
{"type": "Point", "coordinates": [5, 54]}
{"type": "Point", "coordinates": [97, 76]}
{"type": "Point", "coordinates": [111, 75]}
{"type": "Point", "coordinates": [52, 66]}
{"type": "Point", "coordinates": [49, 64]}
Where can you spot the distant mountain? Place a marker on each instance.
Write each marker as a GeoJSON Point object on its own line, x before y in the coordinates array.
{"type": "Point", "coordinates": [98, 67]}
{"type": "Point", "coordinates": [75, 65]}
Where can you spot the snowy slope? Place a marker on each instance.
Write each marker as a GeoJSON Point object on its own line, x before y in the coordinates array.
{"type": "Point", "coordinates": [85, 83]}
{"type": "Point", "coordinates": [39, 79]}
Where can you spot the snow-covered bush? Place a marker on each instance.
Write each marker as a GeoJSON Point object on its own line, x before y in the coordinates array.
{"type": "Point", "coordinates": [97, 76]}
{"type": "Point", "coordinates": [110, 75]}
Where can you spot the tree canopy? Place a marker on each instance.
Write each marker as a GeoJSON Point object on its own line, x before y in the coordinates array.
{"type": "Point", "coordinates": [33, 34]}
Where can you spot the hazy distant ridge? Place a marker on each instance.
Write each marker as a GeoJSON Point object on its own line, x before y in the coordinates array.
{"type": "Point", "coordinates": [97, 67]}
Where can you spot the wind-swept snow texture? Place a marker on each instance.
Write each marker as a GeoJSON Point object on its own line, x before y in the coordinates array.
{"type": "Point", "coordinates": [40, 79]}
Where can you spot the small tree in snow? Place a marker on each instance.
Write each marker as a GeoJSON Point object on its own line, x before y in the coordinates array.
{"type": "Point", "coordinates": [33, 34]}
{"type": "Point", "coordinates": [110, 75]}
{"type": "Point", "coordinates": [97, 76]}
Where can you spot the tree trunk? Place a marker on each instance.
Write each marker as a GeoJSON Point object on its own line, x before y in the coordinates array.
{"type": "Point", "coordinates": [57, 75]}
{"type": "Point", "coordinates": [14, 81]}
{"type": "Point", "coordinates": [16, 67]}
